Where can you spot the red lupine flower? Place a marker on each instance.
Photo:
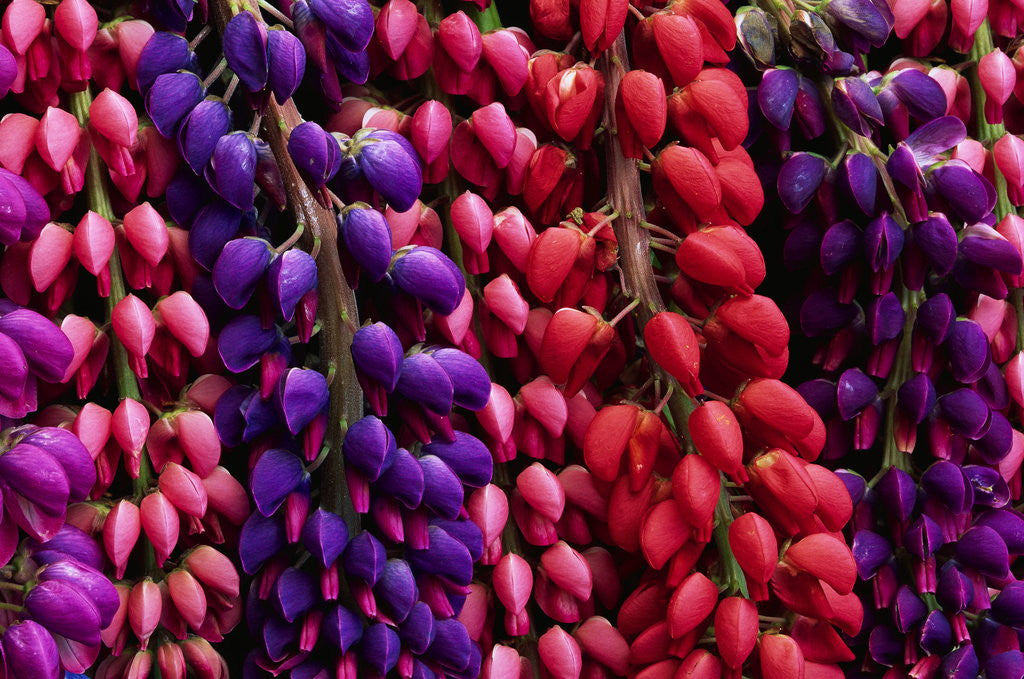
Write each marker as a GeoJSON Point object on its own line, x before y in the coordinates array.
{"type": "Point", "coordinates": [774, 414]}
{"type": "Point", "coordinates": [724, 256]}
{"type": "Point", "coordinates": [713, 105]}
{"type": "Point", "coordinates": [691, 604]}
{"type": "Point", "coordinates": [474, 222]}
{"type": "Point", "coordinates": [503, 51]}
{"type": "Point", "coordinates": [23, 21]}
{"type": "Point", "coordinates": [574, 344]}
{"type": "Point", "coordinates": [834, 508]}
{"type": "Point", "coordinates": [50, 253]}
{"type": "Point", "coordinates": [700, 664]}
{"type": "Point", "coordinates": [186, 321]}
{"type": "Point", "coordinates": [753, 543]}
{"type": "Point", "coordinates": [626, 511]}
{"type": "Point", "coordinates": [121, 531]}
{"type": "Point", "coordinates": [640, 112]}
{"type": "Point", "coordinates": [749, 337]}
{"type": "Point", "coordinates": [601, 641]}
{"type": "Point", "coordinates": [93, 244]}
{"type": "Point", "coordinates": [505, 318]}
{"type": "Point", "coordinates": [717, 436]}
{"type": "Point", "coordinates": [553, 183]}
{"type": "Point", "coordinates": [736, 628]}
{"type": "Point", "coordinates": [460, 39]}
{"type": "Point", "coordinates": [998, 77]}
{"type": "Point", "coordinates": [496, 131]}
{"type": "Point", "coordinates": [115, 125]}
{"type": "Point", "coordinates": [144, 609]}
{"type": "Point", "coordinates": [669, 45]}
{"type": "Point", "coordinates": [695, 487]}
{"type": "Point", "coordinates": [826, 558]}
{"type": "Point", "coordinates": [560, 265]}
{"type": "Point", "coordinates": [130, 426]}
{"type": "Point", "coordinates": [663, 532]}
{"type": "Point", "coordinates": [430, 131]}
{"type": "Point", "coordinates": [160, 521]}
{"type": "Point", "coordinates": [542, 491]}
{"type": "Point", "coordinates": [601, 22]}
{"type": "Point", "coordinates": [395, 27]}
{"type": "Point", "coordinates": [512, 580]}
{"type": "Point", "coordinates": [615, 430]}
{"type": "Point", "coordinates": [574, 102]}
{"type": "Point", "coordinates": [560, 654]}
{"type": "Point", "coordinates": [742, 194]}
{"type": "Point", "coordinates": [782, 488]}
{"type": "Point", "coordinates": [551, 18]}
{"type": "Point", "coordinates": [718, 32]}
{"type": "Point", "coordinates": [780, 657]}
{"type": "Point", "coordinates": [672, 343]}
{"type": "Point", "coordinates": [687, 185]}
{"type": "Point", "coordinates": [57, 137]}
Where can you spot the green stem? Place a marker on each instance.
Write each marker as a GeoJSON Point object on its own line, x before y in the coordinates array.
{"type": "Point", "coordinates": [99, 202]}
{"type": "Point", "coordinates": [11, 607]}
{"type": "Point", "coordinates": [485, 19]}
{"type": "Point", "coordinates": [735, 580]}
{"type": "Point", "coordinates": [900, 373]}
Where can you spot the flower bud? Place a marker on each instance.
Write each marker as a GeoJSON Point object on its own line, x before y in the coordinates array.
{"type": "Point", "coordinates": [691, 603]}
{"type": "Point", "coordinates": [640, 112]}
{"type": "Point", "coordinates": [560, 654]}
{"type": "Point", "coordinates": [672, 344]}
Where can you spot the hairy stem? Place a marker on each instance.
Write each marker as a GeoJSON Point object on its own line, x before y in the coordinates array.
{"type": "Point", "coordinates": [626, 198]}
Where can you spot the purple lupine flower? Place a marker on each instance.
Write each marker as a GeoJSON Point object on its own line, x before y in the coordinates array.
{"type": "Point", "coordinates": [367, 238]}
{"type": "Point", "coordinates": [430, 276]}
{"type": "Point", "coordinates": [171, 98]}
{"type": "Point", "coordinates": [240, 268]}
{"type": "Point", "coordinates": [30, 651]}
{"type": "Point", "coordinates": [231, 170]}
{"type": "Point", "coordinates": [286, 61]}
{"type": "Point", "coordinates": [390, 165]}
{"type": "Point", "coordinates": [291, 276]}
{"type": "Point", "coordinates": [245, 48]}
{"type": "Point", "coordinates": [200, 130]}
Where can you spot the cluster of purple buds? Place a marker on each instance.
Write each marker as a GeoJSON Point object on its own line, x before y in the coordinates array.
{"type": "Point", "coordinates": [937, 554]}
{"type": "Point", "coordinates": [56, 602]}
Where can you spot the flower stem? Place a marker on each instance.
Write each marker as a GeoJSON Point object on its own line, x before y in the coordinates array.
{"type": "Point", "coordinates": [626, 199]}
{"type": "Point", "coordinates": [735, 580]}
{"type": "Point", "coordinates": [486, 19]}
